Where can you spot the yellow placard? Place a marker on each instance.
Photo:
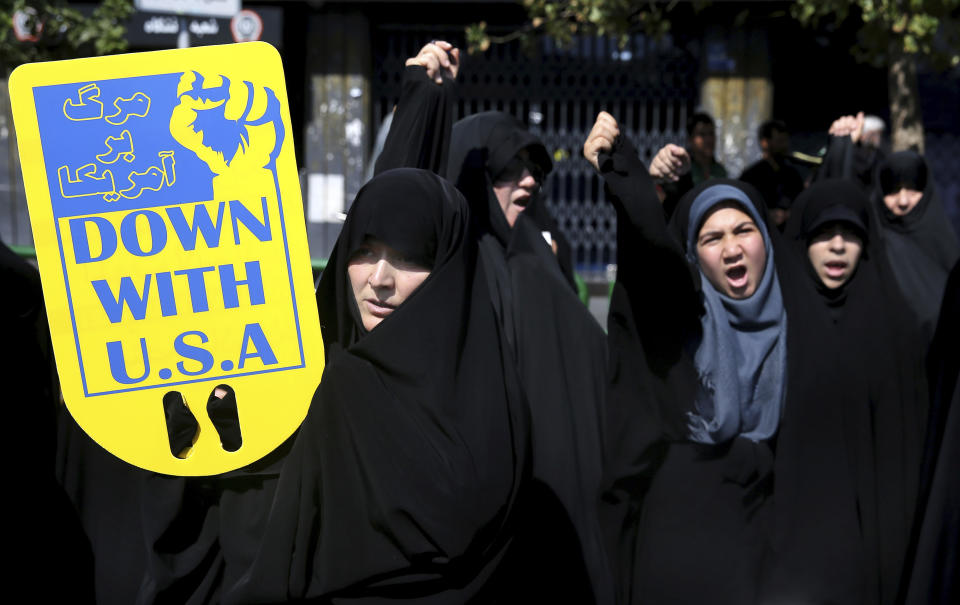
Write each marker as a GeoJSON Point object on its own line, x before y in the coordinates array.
{"type": "Point", "coordinates": [166, 213]}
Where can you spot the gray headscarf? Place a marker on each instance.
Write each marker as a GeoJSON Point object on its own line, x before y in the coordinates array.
{"type": "Point", "coordinates": [742, 357]}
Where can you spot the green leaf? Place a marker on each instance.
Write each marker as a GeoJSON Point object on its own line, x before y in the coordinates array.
{"type": "Point", "coordinates": [910, 44]}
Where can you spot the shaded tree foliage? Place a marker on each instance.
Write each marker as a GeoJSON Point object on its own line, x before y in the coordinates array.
{"type": "Point", "coordinates": [895, 34]}
{"type": "Point", "coordinates": [892, 34]}
{"type": "Point", "coordinates": [62, 31]}
{"type": "Point", "coordinates": [564, 20]}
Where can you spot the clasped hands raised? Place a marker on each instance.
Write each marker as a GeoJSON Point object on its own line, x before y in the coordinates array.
{"type": "Point", "coordinates": [439, 58]}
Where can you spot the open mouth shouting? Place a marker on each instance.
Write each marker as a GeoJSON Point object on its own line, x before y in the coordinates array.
{"type": "Point", "coordinates": [836, 269]}
{"type": "Point", "coordinates": [737, 277]}
{"type": "Point", "coordinates": [834, 253]}
{"type": "Point", "coordinates": [521, 199]}
{"type": "Point", "coordinates": [731, 251]}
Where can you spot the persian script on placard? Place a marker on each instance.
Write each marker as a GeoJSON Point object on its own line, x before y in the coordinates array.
{"type": "Point", "coordinates": [168, 221]}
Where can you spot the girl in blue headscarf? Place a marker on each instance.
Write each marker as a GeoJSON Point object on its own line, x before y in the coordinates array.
{"type": "Point", "coordinates": [741, 355]}
{"type": "Point", "coordinates": [707, 392]}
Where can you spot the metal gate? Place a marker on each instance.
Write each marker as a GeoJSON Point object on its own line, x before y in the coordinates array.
{"type": "Point", "coordinates": [649, 86]}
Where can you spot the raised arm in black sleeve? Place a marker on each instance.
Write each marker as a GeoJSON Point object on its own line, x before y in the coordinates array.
{"type": "Point", "coordinates": [656, 289]}
{"type": "Point", "coordinates": [654, 303]}
{"type": "Point", "coordinates": [420, 134]}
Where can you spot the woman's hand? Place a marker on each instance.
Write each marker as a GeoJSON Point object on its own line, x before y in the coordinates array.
{"type": "Point", "coordinates": [670, 163]}
{"type": "Point", "coordinates": [439, 58]}
{"type": "Point", "coordinates": [851, 126]}
{"type": "Point", "coordinates": [601, 137]}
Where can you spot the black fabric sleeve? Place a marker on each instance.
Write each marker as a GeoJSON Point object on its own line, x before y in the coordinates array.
{"type": "Point", "coordinates": [838, 163]}
{"type": "Point", "coordinates": [420, 134]}
{"type": "Point", "coordinates": [180, 525]}
{"type": "Point", "coordinates": [652, 305]}
{"type": "Point", "coordinates": [655, 285]}
{"type": "Point", "coordinates": [848, 160]}
{"type": "Point", "coordinates": [201, 533]}
{"type": "Point", "coordinates": [674, 192]}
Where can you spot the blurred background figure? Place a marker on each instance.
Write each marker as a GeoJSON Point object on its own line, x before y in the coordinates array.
{"type": "Point", "coordinates": [873, 129]}
{"type": "Point", "coordinates": [697, 159]}
{"type": "Point", "coordinates": [918, 241]}
{"type": "Point", "coordinates": [773, 176]}
{"type": "Point", "coordinates": [701, 143]}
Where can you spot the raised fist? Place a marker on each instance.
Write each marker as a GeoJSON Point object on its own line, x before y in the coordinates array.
{"type": "Point", "coordinates": [439, 58]}
{"type": "Point", "coordinates": [670, 163]}
{"type": "Point", "coordinates": [601, 138]}
{"type": "Point", "coordinates": [851, 126]}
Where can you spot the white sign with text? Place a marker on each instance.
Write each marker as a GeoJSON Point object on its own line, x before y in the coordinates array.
{"type": "Point", "coordinates": [207, 8]}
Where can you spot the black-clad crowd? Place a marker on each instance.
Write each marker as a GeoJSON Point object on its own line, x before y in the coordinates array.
{"type": "Point", "coordinates": [771, 416]}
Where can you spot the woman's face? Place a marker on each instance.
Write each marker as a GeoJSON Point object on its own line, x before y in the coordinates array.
{"type": "Point", "coordinates": [382, 279]}
{"type": "Point", "coordinates": [900, 203]}
{"type": "Point", "coordinates": [834, 253]}
{"type": "Point", "coordinates": [731, 252]}
{"type": "Point", "coordinates": [516, 185]}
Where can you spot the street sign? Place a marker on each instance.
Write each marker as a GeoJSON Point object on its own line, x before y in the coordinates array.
{"type": "Point", "coordinates": [21, 29]}
{"type": "Point", "coordinates": [205, 8]}
{"type": "Point", "coordinates": [153, 30]}
{"type": "Point", "coordinates": [167, 217]}
{"type": "Point", "coordinates": [246, 26]}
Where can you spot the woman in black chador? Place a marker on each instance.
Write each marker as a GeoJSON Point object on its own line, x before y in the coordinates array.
{"type": "Point", "coordinates": [557, 346]}
{"type": "Point", "coordinates": [44, 532]}
{"type": "Point", "coordinates": [409, 479]}
{"type": "Point", "coordinates": [917, 237]}
{"type": "Point", "coordinates": [729, 476]}
{"type": "Point", "coordinates": [875, 345]}
{"type": "Point", "coordinates": [933, 571]}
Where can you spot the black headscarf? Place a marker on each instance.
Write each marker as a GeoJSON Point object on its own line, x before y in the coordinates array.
{"type": "Point", "coordinates": [404, 480]}
{"type": "Point", "coordinates": [862, 335]}
{"type": "Point", "coordinates": [921, 247]}
{"type": "Point", "coordinates": [482, 146]}
{"type": "Point", "coordinates": [831, 201]}
{"type": "Point", "coordinates": [406, 220]}
{"type": "Point", "coordinates": [485, 143]}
